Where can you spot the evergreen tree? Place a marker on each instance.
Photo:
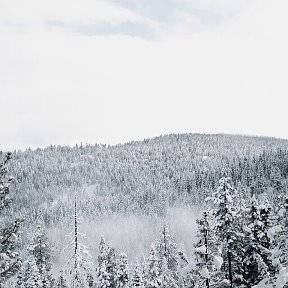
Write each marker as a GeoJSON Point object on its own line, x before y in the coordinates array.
{"type": "Point", "coordinates": [122, 271]}
{"type": "Point", "coordinates": [224, 216]}
{"type": "Point", "coordinates": [153, 277]}
{"type": "Point", "coordinates": [24, 274]}
{"type": "Point", "coordinates": [137, 280]}
{"type": "Point", "coordinates": [207, 256]}
{"type": "Point", "coordinates": [34, 278]}
{"type": "Point", "coordinates": [279, 235]}
{"type": "Point", "coordinates": [90, 280]}
{"type": "Point", "coordinates": [276, 179]}
{"type": "Point", "coordinates": [167, 279]}
{"type": "Point", "coordinates": [167, 249]}
{"type": "Point", "coordinates": [256, 266]}
{"type": "Point", "coordinates": [62, 281]}
{"type": "Point", "coordinates": [41, 252]}
{"type": "Point", "coordinates": [267, 218]}
{"type": "Point", "coordinates": [10, 261]}
{"type": "Point", "coordinates": [106, 270]}
{"type": "Point", "coordinates": [20, 281]}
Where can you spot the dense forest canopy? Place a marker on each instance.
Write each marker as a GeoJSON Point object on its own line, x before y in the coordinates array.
{"type": "Point", "coordinates": [139, 177]}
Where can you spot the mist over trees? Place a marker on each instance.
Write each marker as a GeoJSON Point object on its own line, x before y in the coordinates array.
{"type": "Point", "coordinates": [237, 183]}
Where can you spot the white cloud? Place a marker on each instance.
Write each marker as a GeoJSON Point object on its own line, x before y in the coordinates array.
{"type": "Point", "coordinates": [15, 11]}
{"type": "Point", "coordinates": [57, 86]}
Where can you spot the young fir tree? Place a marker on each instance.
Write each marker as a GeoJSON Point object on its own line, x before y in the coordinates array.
{"type": "Point", "coordinates": [167, 248]}
{"type": "Point", "coordinates": [136, 280]}
{"type": "Point", "coordinates": [153, 273]}
{"type": "Point", "coordinates": [90, 280]}
{"type": "Point", "coordinates": [10, 261]}
{"type": "Point", "coordinates": [122, 271]}
{"type": "Point", "coordinates": [255, 263]}
{"type": "Point", "coordinates": [20, 281]}
{"type": "Point", "coordinates": [267, 218]}
{"type": "Point", "coordinates": [106, 270]}
{"type": "Point", "coordinates": [24, 274]}
{"type": "Point", "coordinates": [167, 279]}
{"type": "Point", "coordinates": [224, 216]}
{"type": "Point", "coordinates": [279, 236]}
{"type": "Point", "coordinates": [62, 281]}
{"type": "Point", "coordinates": [207, 256]}
{"type": "Point", "coordinates": [31, 277]}
{"type": "Point", "coordinates": [41, 253]}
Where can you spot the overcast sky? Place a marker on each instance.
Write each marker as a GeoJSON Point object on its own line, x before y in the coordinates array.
{"type": "Point", "coordinates": [105, 71]}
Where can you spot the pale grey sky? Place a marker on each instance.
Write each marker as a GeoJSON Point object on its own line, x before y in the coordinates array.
{"type": "Point", "coordinates": [105, 71]}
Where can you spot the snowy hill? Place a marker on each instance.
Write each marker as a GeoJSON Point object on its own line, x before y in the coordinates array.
{"type": "Point", "coordinates": [141, 177]}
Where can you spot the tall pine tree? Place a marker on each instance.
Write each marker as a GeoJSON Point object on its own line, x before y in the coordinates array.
{"type": "Point", "coordinates": [122, 271]}
{"type": "Point", "coordinates": [225, 214]}
{"type": "Point", "coordinates": [41, 253]}
{"type": "Point", "coordinates": [207, 254]}
{"type": "Point", "coordinates": [153, 273]}
{"type": "Point", "coordinates": [10, 261]}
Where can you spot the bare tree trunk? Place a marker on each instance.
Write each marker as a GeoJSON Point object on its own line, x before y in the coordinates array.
{"type": "Point", "coordinates": [206, 254]}
{"type": "Point", "coordinates": [75, 240]}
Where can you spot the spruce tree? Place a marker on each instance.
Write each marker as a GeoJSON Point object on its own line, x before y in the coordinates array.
{"type": "Point", "coordinates": [267, 216]}
{"type": "Point", "coordinates": [41, 253]}
{"type": "Point", "coordinates": [34, 278]}
{"type": "Point", "coordinates": [279, 235]}
{"type": "Point", "coordinates": [10, 261]}
{"type": "Point", "coordinates": [207, 254]}
{"type": "Point", "coordinates": [167, 279]}
{"type": "Point", "coordinates": [137, 278]}
{"type": "Point", "coordinates": [122, 271]}
{"type": "Point", "coordinates": [62, 281]}
{"type": "Point", "coordinates": [256, 266]}
{"type": "Point", "coordinates": [225, 214]}
{"type": "Point", "coordinates": [167, 248]}
{"type": "Point", "coordinates": [106, 270]}
{"type": "Point", "coordinates": [24, 274]}
{"type": "Point", "coordinates": [153, 273]}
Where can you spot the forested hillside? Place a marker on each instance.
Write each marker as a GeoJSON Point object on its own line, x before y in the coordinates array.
{"type": "Point", "coordinates": [130, 193]}
{"type": "Point", "coordinates": [142, 177]}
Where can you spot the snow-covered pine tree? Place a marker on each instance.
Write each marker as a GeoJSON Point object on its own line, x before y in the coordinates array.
{"type": "Point", "coordinates": [122, 271]}
{"type": "Point", "coordinates": [167, 279]}
{"type": "Point", "coordinates": [103, 277]}
{"type": "Point", "coordinates": [182, 260]}
{"type": "Point", "coordinates": [112, 267]}
{"type": "Point", "coordinates": [41, 252]}
{"type": "Point", "coordinates": [153, 272]}
{"type": "Point", "coordinates": [224, 216]}
{"type": "Point", "coordinates": [207, 254]}
{"type": "Point", "coordinates": [276, 179]}
{"type": "Point", "coordinates": [137, 279]}
{"type": "Point", "coordinates": [255, 267]}
{"type": "Point", "coordinates": [24, 274]}
{"type": "Point", "coordinates": [20, 280]}
{"type": "Point", "coordinates": [34, 277]}
{"type": "Point", "coordinates": [279, 236]}
{"type": "Point", "coordinates": [90, 280]}
{"type": "Point", "coordinates": [106, 271]}
{"type": "Point", "coordinates": [62, 281]}
{"type": "Point", "coordinates": [267, 218]}
{"type": "Point", "coordinates": [10, 261]}
{"type": "Point", "coordinates": [167, 248]}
